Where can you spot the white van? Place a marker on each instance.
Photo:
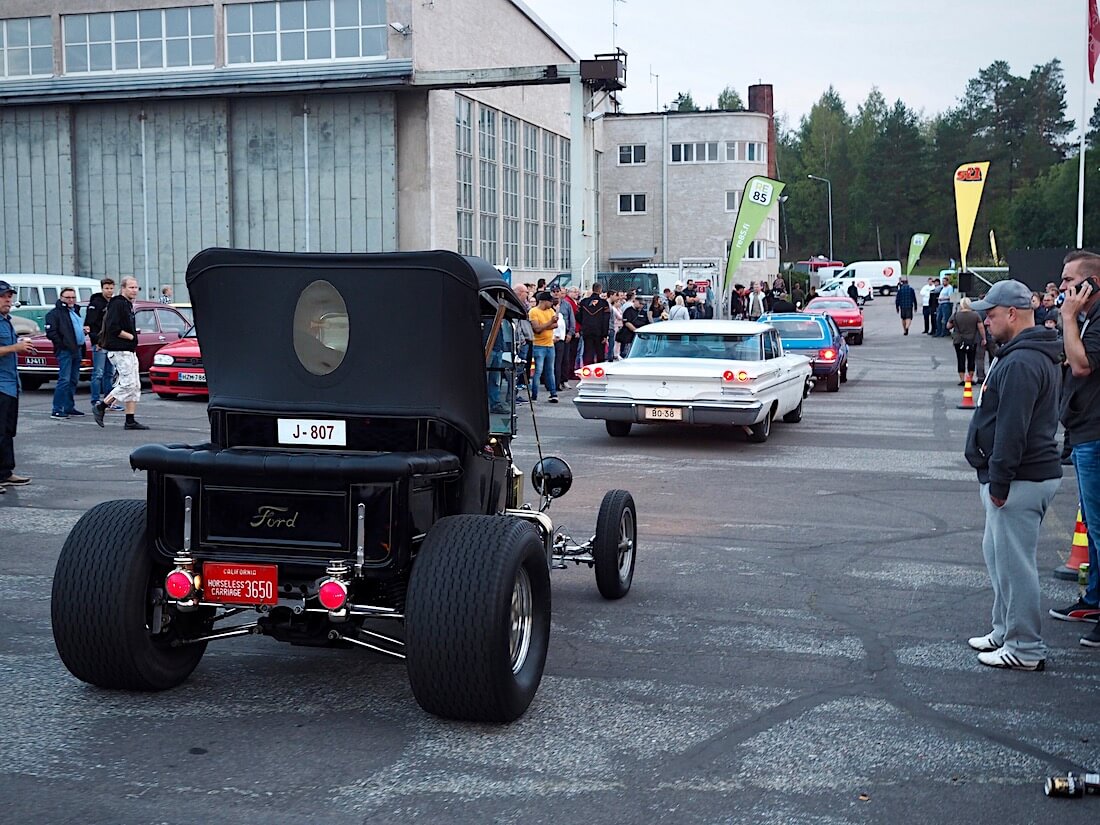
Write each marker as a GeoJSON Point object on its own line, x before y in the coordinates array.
{"type": "Point", "coordinates": [839, 286]}
{"type": "Point", "coordinates": [35, 295]}
{"type": "Point", "coordinates": [882, 276]}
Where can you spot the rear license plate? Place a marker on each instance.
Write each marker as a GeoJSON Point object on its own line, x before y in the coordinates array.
{"type": "Point", "coordinates": [36, 362]}
{"type": "Point", "coordinates": [295, 431]}
{"type": "Point", "coordinates": [664, 413]}
{"type": "Point", "coordinates": [193, 376]}
{"type": "Point", "coordinates": [240, 583]}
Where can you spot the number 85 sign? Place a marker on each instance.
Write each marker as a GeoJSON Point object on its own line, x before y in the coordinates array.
{"type": "Point", "coordinates": [761, 192]}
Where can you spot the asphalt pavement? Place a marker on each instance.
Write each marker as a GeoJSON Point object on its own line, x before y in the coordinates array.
{"type": "Point", "coordinates": [793, 649]}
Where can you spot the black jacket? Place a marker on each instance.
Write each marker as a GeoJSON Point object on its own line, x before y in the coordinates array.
{"type": "Point", "coordinates": [120, 316]}
{"type": "Point", "coordinates": [93, 316]}
{"type": "Point", "coordinates": [595, 317]}
{"type": "Point", "coordinates": [59, 328]}
{"type": "Point", "coordinates": [1011, 436]}
{"type": "Point", "coordinates": [1080, 410]}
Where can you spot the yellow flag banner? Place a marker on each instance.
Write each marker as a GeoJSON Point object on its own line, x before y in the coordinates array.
{"type": "Point", "coordinates": [969, 183]}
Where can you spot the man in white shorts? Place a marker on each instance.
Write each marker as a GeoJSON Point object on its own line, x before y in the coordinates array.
{"type": "Point", "coordinates": [119, 338]}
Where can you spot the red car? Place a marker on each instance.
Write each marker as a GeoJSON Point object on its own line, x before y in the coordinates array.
{"type": "Point", "coordinates": [157, 324]}
{"type": "Point", "coordinates": [177, 368]}
{"type": "Point", "coordinates": [844, 311]}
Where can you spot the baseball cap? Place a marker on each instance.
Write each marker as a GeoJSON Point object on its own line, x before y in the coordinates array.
{"type": "Point", "coordinates": [556, 288]}
{"type": "Point", "coordinates": [5, 288]}
{"type": "Point", "coordinates": [1005, 294]}
{"type": "Point", "coordinates": [544, 296]}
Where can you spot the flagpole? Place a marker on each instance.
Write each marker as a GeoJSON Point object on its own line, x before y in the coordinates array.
{"type": "Point", "coordinates": [1084, 129]}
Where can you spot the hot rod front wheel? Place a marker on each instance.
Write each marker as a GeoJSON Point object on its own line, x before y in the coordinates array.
{"type": "Point", "coordinates": [102, 604]}
{"type": "Point", "coordinates": [615, 544]}
{"type": "Point", "coordinates": [477, 618]}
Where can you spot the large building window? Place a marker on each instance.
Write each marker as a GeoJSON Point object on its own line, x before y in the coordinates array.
{"type": "Point", "coordinates": [733, 200]}
{"type": "Point", "coordinates": [748, 151]}
{"type": "Point", "coordinates": [488, 216]}
{"type": "Point", "coordinates": [632, 204]}
{"type": "Point", "coordinates": [26, 47]}
{"type": "Point", "coordinates": [292, 30]}
{"type": "Point", "coordinates": [695, 152]}
{"type": "Point", "coordinates": [755, 251]}
{"type": "Point", "coordinates": [633, 153]}
{"type": "Point", "coordinates": [549, 200]}
{"type": "Point", "coordinates": [464, 170]}
{"type": "Point", "coordinates": [566, 208]}
{"type": "Point", "coordinates": [530, 196]}
{"type": "Point", "coordinates": [509, 157]}
{"type": "Point", "coordinates": [124, 41]}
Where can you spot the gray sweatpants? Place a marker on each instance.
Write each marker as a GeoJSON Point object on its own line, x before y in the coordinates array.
{"type": "Point", "coordinates": [1009, 545]}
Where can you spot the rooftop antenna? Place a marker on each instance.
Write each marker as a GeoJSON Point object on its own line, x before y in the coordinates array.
{"type": "Point", "coordinates": [614, 21]}
{"type": "Point", "coordinates": [657, 77]}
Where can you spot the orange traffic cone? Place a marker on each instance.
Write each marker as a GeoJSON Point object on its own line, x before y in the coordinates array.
{"type": "Point", "coordinates": [968, 395]}
{"type": "Point", "coordinates": [1078, 552]}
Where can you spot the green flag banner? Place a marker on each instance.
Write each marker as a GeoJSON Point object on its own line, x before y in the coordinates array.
{"type": "Point", "coordinates": [916, 246]}
{"type": "Point", "coordinates": [756, 201]}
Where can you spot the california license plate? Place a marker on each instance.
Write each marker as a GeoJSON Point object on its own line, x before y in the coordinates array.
{"type": "Point", "coordinates": [664, 414]}
{"type": "Point", "coordinates": [35, 362]}
{"type": "Point", "coordinates": [193, 376]}
{"type": "Point", "coordinates": [240, 583]}
{"type": "Point", "coordinates": [297, 431]}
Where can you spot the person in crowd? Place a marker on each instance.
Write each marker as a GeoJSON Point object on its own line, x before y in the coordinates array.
{"type": "Point", "coordinates": [165, 294]}
{"type": "Point", "coordinates": [10, 348]}
{"type": "Point", "coordinates": [968, 336]}
{"type": "Point", "coordinates": [853, 292]}
{"type": "Point", "coordinates": [781, 304]}
{"type": "Point", "coordinates": [905, 302]}
{"type": "Point", "coordinates": [524, 340]}
{"type": "Point", "coordinates": [945, 306]}
{"type": "Point", "coordinates": [1011, 443]}
{"type": "Point", "coordinates": [1046, 309]}
{"type": "Point", "coordinates": [540, 286]}
{"type": "Point", "coordinates": [798, 297]}
{"type": "Point", "coordinates": [1080, 414]}
{"type": "Point", "coordinates": [634, 318]}
{"type": "Point", "coordinates": [595, 315]}
{"type": "Point", "coordinates": [66, 332]}
{"type": "Point", "coordinates": [811, 294]}
{"type": "Point", "coordinates": [934, 307]}
{"type": "Point", "coordinates": [691, 298]}
{"type": "Point", "coordinates": [544, 320]}
{"type": "Point", "coordinates": [562, 366]}
{"type": "Point", "coordinates": [561, 347]}
{"type": "Point", "coordinates": [928, 312]}
{"type": "Point", "coordinates": [778, 292]}
{"type": "Point", "coordinates": [616, 300]}
{"type": "Point", "coordinates": [656, 307]}
{"type": "Point", "coordinates": [755, 305]}
{"type": "Point", "coordinates": [737, 302]}
{"type": "Point", "coordinates": [667, 297]}
{"type": "Point", "coordinates": [679, 312]}
{"type": "Point", "coordinates": [573, 298]}
{"type": "Point", "coordinates": [103, 374]}
{"type": "Point", "coordinates": [120, 341]}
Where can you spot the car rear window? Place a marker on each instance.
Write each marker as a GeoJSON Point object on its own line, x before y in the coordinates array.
{"type": "Point", "coordinates": [690, 345]}
{"type": "Point", "coordinates": [798, 330]}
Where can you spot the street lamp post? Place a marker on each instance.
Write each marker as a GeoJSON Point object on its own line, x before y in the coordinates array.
{"type": "Point", "coordinates": [829, 184]}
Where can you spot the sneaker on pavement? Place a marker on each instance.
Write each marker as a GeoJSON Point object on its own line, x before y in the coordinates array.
{"type": "Point", "coordinates": [553, 399]}
{"type": "Point", "coordinates": [74, 412]}
{"type": "Point", "coordinates": [134, 425]}
{"type": "Point", "coordinates": [1079, 611]}
{"type": "Point", "coordinates": [1010, 661]}
{"type": "Point", "coordinates": [116, 408]}
{"type": "Point", "coordinates": [1093, 639]}
{"type": "Point", "coordinates": [14, 481]}
{"type": "Point", "coordinates": [984, 644]}
{"type": "Point", "coordinates": [97, 413]}
{"type": "Point", "coordinates": [59, 415]}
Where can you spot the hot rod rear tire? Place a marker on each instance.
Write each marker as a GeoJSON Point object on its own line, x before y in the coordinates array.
{"type": "Point", "coordinates": [615, 546]}
{"type": "Point", "coordinates": [477, 618]}
{"type": "Point", "coordinates": [101, 604]}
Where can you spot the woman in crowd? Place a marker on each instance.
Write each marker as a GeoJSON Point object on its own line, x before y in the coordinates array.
{"type": "Point", "coordinates": [656, 307]}
{"type": "Point", "coordinates": [967, 334]}
{"type": "Point", "coordinates": [679, 312]}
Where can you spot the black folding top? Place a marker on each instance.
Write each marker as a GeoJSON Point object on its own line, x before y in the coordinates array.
{"type": "Point", "coordinates": [412, 331]}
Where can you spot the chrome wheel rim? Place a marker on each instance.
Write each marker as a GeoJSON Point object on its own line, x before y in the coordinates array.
{"type": "Point", "coordinates": [626, 544]}
{"type": "Point", "coordinates": [519, 631]}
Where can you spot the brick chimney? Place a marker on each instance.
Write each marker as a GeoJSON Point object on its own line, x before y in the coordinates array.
{"type": "Point", "coordinates": [761, 100]}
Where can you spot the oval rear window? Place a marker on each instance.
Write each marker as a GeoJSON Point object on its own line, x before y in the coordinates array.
{"type": "Point", "coordinates": [321, 328]}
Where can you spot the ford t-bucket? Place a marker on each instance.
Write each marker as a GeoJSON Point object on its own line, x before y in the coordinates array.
{"type": "Point", "coordinates": [358, 489]}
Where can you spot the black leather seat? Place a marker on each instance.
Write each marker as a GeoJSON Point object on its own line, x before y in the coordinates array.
{"type": "Point", "coordinates": [207, 460]}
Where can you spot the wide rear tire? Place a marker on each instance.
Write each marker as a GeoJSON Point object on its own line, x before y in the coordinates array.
{"type": "Point", "coordinates": [759, 432]}
{"type": "Point", "coordinates": [615, 545]}
{"type": "Point", "coordinates": [617, 429]}
{"type": "Point", "coordinates": [477, 618]}
{"type": "Point", "coordinates": [102, 603]}
{"type": "Point", "coordinates": [795, 415]}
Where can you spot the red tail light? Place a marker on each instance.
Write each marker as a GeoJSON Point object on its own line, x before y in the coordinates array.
{"type": "Point", "coordinates": [728, 375]}
{"type": "Point", "coordinates": [592, 372]}
{"type": "Point", "coordinates": [598, 371]}
{"type": "Point", "coordinates": [179, 584]}
{"type": "Point", "coordinates": [332, 594]}
{"type": "Point", "coordinates": [827, 355]}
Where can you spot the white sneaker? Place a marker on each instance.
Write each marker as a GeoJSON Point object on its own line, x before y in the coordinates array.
{"type": "Point", "coordinates": [1003, 659]}
{"type": "Point", "coordinates": [985, 643]}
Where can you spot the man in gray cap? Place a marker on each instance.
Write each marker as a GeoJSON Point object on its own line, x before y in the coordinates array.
{"type": "Point", "coordinates": [1011, 445]}
{"type": "Point", "coordinates": [10, 347]}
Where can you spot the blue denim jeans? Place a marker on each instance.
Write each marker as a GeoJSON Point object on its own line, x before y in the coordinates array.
{"type": "Point", "coordinates": [544, 367]}
{"type": "Point", "coordinates": [103, 374]}
{"type": "Point", "coordinates": [68, 374]}
{"type": "Point", "coordinates": [943, 315]}
{"type": "Point", "coordinates": [1086, 458]}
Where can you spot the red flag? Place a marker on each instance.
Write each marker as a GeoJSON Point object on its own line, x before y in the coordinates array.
{"type": "Point", "coordinates": [1094, 39]}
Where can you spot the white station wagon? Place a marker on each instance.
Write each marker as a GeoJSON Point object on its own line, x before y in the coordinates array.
{"type": "Point", "coordinates": [732, 373]}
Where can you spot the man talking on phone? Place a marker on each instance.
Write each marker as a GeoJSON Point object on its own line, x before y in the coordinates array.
{"type": "Point", "coordinates": [1080, 414]}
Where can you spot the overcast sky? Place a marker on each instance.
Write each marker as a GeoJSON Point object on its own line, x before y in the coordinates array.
{"type": "Point", "coordinates": [923, 52]}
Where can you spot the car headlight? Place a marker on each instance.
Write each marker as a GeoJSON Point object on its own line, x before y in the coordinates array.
{"type": "Point", "coordinates": [163, 360]}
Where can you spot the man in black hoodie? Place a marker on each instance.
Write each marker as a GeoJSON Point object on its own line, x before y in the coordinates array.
{"type": "Point", "coordinates": [595, 321]}
{"type": "Point", "coordinates": [1012, 446]}
{"type": "Point", "coordinates": [103, 374]}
